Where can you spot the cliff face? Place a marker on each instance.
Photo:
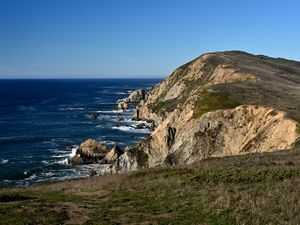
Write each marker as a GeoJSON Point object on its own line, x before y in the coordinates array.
{"type": "Point", "coordinates": [221, 104]}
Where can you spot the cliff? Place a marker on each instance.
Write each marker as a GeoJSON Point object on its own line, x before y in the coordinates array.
{"type": "Point", "coordinates": [222, 104]}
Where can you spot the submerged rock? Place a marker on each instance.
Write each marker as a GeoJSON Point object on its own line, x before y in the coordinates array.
{"type": "Point", "coordinates": [141, 126]}
{"type": "Point", "coordinates": [69, 148]}
{"type": "Point", "coordinates": [92, 173]}
{"type": "Point", "coordinates": [93, 116]}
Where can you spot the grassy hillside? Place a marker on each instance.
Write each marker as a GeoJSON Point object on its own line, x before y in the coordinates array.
{"type": "Point", "coordinates": [250, 189]}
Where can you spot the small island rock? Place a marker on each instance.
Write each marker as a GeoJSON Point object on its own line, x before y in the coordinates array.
{"type": "Point", "coordinates": [93, 116]}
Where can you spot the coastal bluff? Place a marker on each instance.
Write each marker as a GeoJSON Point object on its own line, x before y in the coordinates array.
{"type": "Point", "coordinates": [219, 104]}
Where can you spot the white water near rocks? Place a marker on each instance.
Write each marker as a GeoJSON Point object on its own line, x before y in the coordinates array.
{"type": "Point", "coordinates": [33, 145]}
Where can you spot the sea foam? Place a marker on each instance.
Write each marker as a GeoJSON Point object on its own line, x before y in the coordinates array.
{"type": "Point", "coordinates": [131, 129]}
{"type": "Point", "coordinates": [4, 161]}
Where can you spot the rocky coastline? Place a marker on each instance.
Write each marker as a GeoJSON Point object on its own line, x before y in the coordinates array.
{"type": "Point", "coordinates": [115, 159]}
{"type": "Point", "coordinates": [220, 104]}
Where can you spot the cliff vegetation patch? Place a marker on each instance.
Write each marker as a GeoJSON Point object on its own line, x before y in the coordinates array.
{"type": "Point", "coordinates": [211, 101]}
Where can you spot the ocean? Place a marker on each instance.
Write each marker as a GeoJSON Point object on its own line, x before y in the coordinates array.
{"type": "Point", "coordinates": [40, 118]}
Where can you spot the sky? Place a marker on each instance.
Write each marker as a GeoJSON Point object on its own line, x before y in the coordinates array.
{"type": "Point", "coordinates": [137, 38]}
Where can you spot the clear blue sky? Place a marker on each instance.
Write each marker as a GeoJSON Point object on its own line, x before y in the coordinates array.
{"type": "Point", "coordinates": [137, 38]}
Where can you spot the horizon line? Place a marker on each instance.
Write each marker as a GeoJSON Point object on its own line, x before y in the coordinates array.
{"type": "Point", "coordinates": [79, 78]}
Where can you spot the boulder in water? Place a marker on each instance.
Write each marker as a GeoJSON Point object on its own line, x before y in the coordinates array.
{"type": "Point", "coordinates": [76, 160]}
{"type": "Point", "coordinates": [69, 148]}
{"type": "Point", "coordinates": [141, 126]}
{"type": "Point", "coordinates": [92, 151]}
{"type": "Point", "coordinates": [121, 119]}
{"type": "Point", "coordinates": [93, 116]}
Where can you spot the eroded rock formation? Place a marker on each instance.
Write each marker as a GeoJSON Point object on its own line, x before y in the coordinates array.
{"type": "Point", "coordinates": [136, 97]}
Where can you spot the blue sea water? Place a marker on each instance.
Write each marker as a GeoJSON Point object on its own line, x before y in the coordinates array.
{"type": "Point", "coordinates": [39, 118]}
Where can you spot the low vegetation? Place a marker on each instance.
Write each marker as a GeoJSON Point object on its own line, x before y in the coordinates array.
{"type": "Point", "coordinates": [249, 189]}
{"type": "Point", "coordinates": [298, 129]}
{"type": "Point", "coordinates": [210, 101]}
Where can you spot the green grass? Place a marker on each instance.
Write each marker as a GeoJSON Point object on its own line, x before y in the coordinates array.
{"type": "Point", "coordinates": [230, 190]}
{"type": "Point", "coordinates": [211, 101]}
{"type": "Point", "coordinates": [280, 60]}
{"type": "Point", "coordinates": [298, 129]}
{"type": "Point", "coordinates": [29, 206]}
{"type": "Point", "coordinates": [240, 175]}
{"type": "Point", "coordinates": [166, 106]}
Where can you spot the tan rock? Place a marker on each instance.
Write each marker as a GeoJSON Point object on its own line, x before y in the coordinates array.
{"type": "Point", "coordinates": [122, 105]}
{"type": "Point", "coordinates": [92, 148]}
{"type": "Point", "coordinates": [113, 154]}
{"type": "Point", "coordinates": [137, 96]}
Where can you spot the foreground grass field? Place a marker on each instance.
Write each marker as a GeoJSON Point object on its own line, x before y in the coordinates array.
{"type": "Point", "coordinates": [251, 189]}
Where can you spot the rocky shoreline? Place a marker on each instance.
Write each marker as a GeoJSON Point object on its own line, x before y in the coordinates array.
{"type": "Point", "coordinates": [220, 104]}
{"type": "Point", "coordinates": [115, 159]}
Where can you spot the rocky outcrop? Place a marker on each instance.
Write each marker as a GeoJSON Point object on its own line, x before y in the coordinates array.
{"type": "Point", "coordinates": [127, 162]}
{"type": "Point", "coordinates": [135, 98]}
{"type": "Point", "coordinates": [113, 154]}
{"type": "Point", "coordinates": [122, 105]}
{"type": "Point", "coordinates": [92, 148]}
{"type": "Point", "coordinates": [90, 151]}
{"type": "Point", "coordinates": [132, 159]}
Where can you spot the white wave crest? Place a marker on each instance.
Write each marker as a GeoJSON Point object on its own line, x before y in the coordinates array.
{"type": "Point", "coordinates": [73, 153]}
{"type": "Point", "coordinates": [109, 142]}
{"type": "Point", "coordinates": [121, 93]}
{"type": "Point", "coordinates": [109, 111]}
{"type": "Point", "coordinates": [63, 162]}
{"type": "Point", "coordinates": [131, 129]}
{"type": "Point", "coordinates": [61, 156]}
{"type": "Point", "coordinates": [45, 162]}
{"type": "Point", "coordinates": [70, 108]}
{"type": "Point", "coordinates": [4, 161]}
{"type": "Point", "coordinates": [33, 176]}
{"type": "Point", "coordinates": [8, 138]}
{"type": "Point", "coordinates": [26, 108]}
